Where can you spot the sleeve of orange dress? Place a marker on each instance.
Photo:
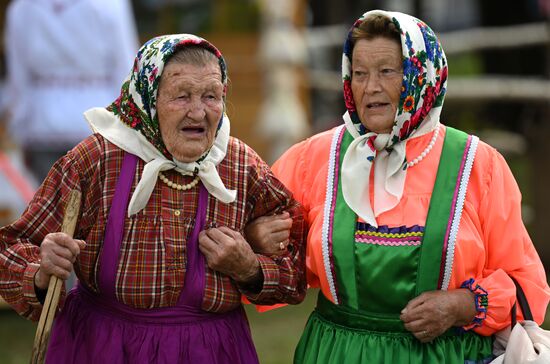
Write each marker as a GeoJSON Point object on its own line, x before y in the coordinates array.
{"type": "Point", "coordinates": [508, 251]}
{"type": "Point", "coordinates": [290, 170]}
{"type": "Point", "coordinates": [296, 169]}
{"type": "Point", "coordinates": [283, 275]}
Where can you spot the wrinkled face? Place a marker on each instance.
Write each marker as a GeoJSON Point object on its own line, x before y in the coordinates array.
{"type": "Point", "coordinates": [377, 75]}
{"type": "Point", "coordinates": [189, 107]}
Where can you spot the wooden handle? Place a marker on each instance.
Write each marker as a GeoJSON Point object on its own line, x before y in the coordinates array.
{"type": "Point", "coordinates": [54, 288]}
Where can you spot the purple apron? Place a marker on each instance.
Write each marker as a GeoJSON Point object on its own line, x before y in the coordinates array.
{"type": "Point", "coordinates": [95, 328]}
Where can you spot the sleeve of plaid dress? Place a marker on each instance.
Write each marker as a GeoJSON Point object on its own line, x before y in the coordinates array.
{"type": "Point", "coordinates": [20, 241]}
{"type": "Point", "coordinates": [284, 277]}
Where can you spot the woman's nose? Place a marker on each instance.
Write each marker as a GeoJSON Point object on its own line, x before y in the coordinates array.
{"type": "Point", "coordinates": [373, 84]}
{"type": "Point", "coordinates": [197, 109]}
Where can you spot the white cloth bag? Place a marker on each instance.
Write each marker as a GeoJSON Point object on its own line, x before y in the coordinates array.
{"type": "Point", "coordinates": [526, 343]}
{"type": "Point", "coordinates": [522, 342]}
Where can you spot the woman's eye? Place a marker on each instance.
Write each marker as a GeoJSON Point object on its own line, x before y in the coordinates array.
{"type": "Point", "coordinates": [211, 97]}
{"type": "Point", "coordinates": [391, 71]}
{"type": "Point", "coordinates": [358, 73]}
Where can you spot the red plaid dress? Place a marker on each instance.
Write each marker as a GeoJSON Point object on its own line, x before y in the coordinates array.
{"type": "Point", "coordinates": [152, 263]}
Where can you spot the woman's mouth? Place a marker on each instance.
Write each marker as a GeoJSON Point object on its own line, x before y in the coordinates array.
{"type": "Point", "coordinates": [376, 105]}
{"type": "Point", "coordinates": [193, 130]}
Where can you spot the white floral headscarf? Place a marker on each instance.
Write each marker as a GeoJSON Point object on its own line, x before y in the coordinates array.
{"type": "Point", "coordinates": [131, 122]}
{"type": "Point", "coordinates": [422, 93]}
{"type": "Point", "coordinates": [137, 104]}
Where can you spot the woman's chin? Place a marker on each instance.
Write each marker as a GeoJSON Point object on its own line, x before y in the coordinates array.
{"type": "Point", "coordinates": [187, 150]}
{"type": "Point", "coordinates": [378, 124]}
{"type": "Point", "coordinates": [188, 156]}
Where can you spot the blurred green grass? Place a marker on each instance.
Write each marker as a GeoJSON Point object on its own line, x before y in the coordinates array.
{"type": "Point", "coordinates": [16, 337]}
{"type": "Point", "coordinates": [275, 332]}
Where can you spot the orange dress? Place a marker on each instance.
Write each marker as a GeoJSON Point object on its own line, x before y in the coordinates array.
{"type": "Point", "coordinates": [492, 241]}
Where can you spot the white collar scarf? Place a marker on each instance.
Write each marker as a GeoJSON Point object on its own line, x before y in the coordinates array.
{"type": "Point", "coordinates": [107, 124]}
{"type": "Point", "coordinates": [424, 67]}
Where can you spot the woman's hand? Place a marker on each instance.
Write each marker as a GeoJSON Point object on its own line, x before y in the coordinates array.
{"type": "Point", "coordinates": [432, 313]}
{"type": "Point", "coordinates": [269, 235]}
{"type": "Point", "coordinates": [58, 253]}
{"type": "Point", "coordinates": [227, 252]}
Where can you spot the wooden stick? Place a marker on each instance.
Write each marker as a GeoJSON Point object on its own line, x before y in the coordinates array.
{"type": "Point", "coordinates": [54, 288]}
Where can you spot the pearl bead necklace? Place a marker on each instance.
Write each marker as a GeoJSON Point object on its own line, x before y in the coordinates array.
{"type": "Point", "coordinates": [177, 186]}
{"type": "Point", "coordinates": [426, 151]}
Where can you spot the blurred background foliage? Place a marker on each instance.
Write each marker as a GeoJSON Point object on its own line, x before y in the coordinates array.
{"type": "Point", "coordinates": [514, 123]}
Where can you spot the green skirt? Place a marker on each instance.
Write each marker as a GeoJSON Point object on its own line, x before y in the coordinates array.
{"type": "Point", "coordinates": [336, 334]}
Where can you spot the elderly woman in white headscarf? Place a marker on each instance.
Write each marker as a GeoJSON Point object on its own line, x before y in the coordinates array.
{"type": "Point", "coordinates": [158, 250]}
{"type": "Point", "coordinates": [415, 227]}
